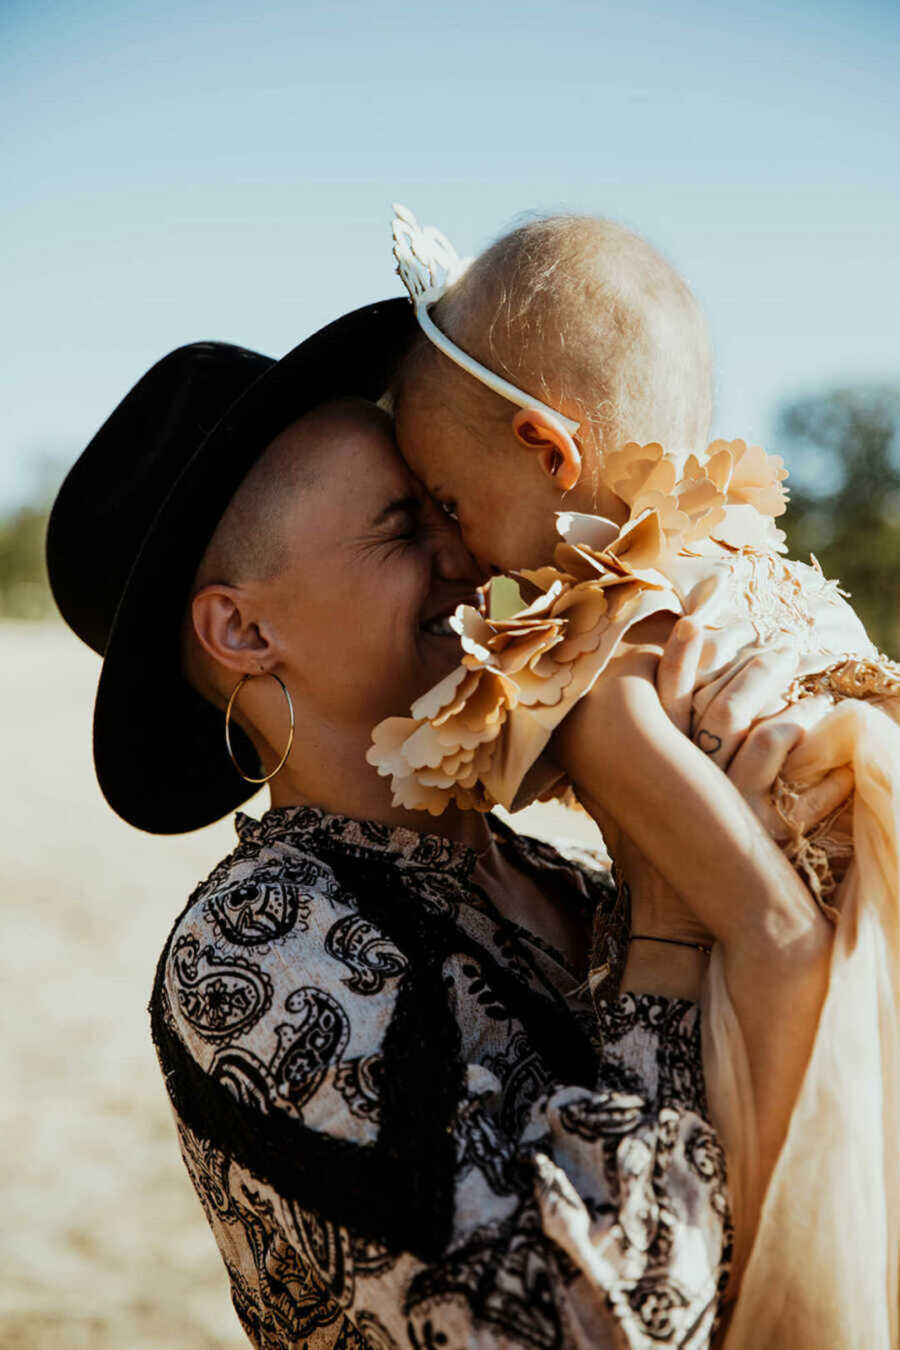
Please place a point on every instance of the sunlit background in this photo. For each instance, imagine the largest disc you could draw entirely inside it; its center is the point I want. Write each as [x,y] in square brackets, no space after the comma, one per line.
[175,171]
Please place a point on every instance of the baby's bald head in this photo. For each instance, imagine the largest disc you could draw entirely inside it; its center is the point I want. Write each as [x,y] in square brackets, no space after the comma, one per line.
[589,318]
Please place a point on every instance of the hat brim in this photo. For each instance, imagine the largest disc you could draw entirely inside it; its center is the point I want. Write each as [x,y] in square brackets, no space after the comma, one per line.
[159,747]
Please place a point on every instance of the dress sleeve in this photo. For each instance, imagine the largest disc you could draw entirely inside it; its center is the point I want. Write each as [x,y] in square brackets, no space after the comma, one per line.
[369,1184]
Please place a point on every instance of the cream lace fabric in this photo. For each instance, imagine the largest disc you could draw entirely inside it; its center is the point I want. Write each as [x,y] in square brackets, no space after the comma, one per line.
[701,539]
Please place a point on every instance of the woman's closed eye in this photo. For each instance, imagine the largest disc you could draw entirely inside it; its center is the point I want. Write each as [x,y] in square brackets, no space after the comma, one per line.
[407,531]
[418,527]
[402,525]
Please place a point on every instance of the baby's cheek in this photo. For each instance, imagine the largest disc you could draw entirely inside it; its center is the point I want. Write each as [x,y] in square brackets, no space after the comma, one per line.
[484,511]
[488,539]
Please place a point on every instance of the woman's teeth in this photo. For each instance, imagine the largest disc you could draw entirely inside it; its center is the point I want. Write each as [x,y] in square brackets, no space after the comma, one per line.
[439,627]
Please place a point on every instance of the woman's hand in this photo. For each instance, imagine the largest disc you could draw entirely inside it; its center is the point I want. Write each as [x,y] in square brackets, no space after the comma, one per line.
[751,749]
[691,848]
[759,683]
[759,761]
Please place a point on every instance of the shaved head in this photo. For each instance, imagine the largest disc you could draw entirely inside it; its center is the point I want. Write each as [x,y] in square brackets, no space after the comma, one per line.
[250,541]
[589,318]
[248,544]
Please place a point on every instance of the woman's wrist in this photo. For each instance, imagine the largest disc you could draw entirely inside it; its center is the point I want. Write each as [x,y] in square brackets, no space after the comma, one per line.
[664,969]
[655,909]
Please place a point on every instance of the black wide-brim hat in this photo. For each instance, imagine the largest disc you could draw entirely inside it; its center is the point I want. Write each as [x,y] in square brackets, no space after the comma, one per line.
[132,521]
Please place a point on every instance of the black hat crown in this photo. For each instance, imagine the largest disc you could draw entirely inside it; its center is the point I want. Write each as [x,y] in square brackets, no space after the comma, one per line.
[115,490]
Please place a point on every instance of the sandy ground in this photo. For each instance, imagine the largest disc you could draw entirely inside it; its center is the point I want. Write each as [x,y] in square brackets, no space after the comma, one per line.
[103,1243]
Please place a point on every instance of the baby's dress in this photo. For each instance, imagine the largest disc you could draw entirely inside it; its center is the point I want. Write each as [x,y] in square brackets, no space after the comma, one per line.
[701,540]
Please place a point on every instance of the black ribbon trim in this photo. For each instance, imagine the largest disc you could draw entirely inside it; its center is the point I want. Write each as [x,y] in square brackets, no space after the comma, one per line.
[399,1190]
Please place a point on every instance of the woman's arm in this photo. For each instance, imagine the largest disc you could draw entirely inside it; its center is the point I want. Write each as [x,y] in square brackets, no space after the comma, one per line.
[752,749]
[701,864]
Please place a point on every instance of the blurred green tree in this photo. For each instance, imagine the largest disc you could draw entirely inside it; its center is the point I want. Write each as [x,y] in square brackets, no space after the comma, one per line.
[843,449]
[24,590]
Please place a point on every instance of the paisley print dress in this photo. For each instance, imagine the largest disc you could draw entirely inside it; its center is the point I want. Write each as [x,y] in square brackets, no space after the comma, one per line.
[406,1121]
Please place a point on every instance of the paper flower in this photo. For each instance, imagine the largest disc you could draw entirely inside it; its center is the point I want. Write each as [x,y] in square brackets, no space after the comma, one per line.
[438,755]
[640,468]
[745,473]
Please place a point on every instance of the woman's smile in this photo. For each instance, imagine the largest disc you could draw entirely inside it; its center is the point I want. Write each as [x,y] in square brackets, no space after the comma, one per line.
[437,623]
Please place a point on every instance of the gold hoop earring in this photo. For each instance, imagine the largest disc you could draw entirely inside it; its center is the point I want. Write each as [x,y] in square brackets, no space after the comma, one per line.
[231,702]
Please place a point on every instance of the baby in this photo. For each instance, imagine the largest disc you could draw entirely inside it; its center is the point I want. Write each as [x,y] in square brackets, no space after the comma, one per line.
[590,320]
[567,370]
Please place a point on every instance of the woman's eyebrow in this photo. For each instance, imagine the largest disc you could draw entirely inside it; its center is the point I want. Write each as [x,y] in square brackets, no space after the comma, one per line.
[408,505]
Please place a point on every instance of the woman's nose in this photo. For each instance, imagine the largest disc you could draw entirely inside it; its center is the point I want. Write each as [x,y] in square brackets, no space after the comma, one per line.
[452,560]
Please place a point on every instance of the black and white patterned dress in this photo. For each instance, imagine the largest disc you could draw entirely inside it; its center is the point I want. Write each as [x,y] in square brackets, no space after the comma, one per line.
[407,1124]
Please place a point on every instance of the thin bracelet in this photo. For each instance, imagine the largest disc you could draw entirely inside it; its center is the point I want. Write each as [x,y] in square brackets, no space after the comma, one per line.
[674,942]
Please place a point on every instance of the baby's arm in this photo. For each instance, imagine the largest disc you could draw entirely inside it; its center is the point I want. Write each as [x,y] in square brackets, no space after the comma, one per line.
[700,863]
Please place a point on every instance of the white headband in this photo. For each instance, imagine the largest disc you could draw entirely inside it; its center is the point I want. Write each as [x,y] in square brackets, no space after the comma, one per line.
[428,264]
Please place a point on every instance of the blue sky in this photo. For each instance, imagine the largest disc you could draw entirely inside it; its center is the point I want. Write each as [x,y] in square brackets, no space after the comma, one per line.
[180,171]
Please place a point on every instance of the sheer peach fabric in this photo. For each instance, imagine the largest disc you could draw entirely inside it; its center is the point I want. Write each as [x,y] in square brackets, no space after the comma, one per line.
[823,1268]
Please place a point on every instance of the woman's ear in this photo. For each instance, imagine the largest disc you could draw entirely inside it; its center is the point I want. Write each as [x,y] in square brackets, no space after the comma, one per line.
[225,629]
[558,455]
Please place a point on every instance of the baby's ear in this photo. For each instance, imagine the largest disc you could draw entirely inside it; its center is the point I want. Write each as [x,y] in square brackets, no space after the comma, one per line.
[558,455]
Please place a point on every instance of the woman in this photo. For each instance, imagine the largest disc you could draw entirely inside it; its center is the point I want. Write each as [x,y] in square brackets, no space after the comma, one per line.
[393,1094]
